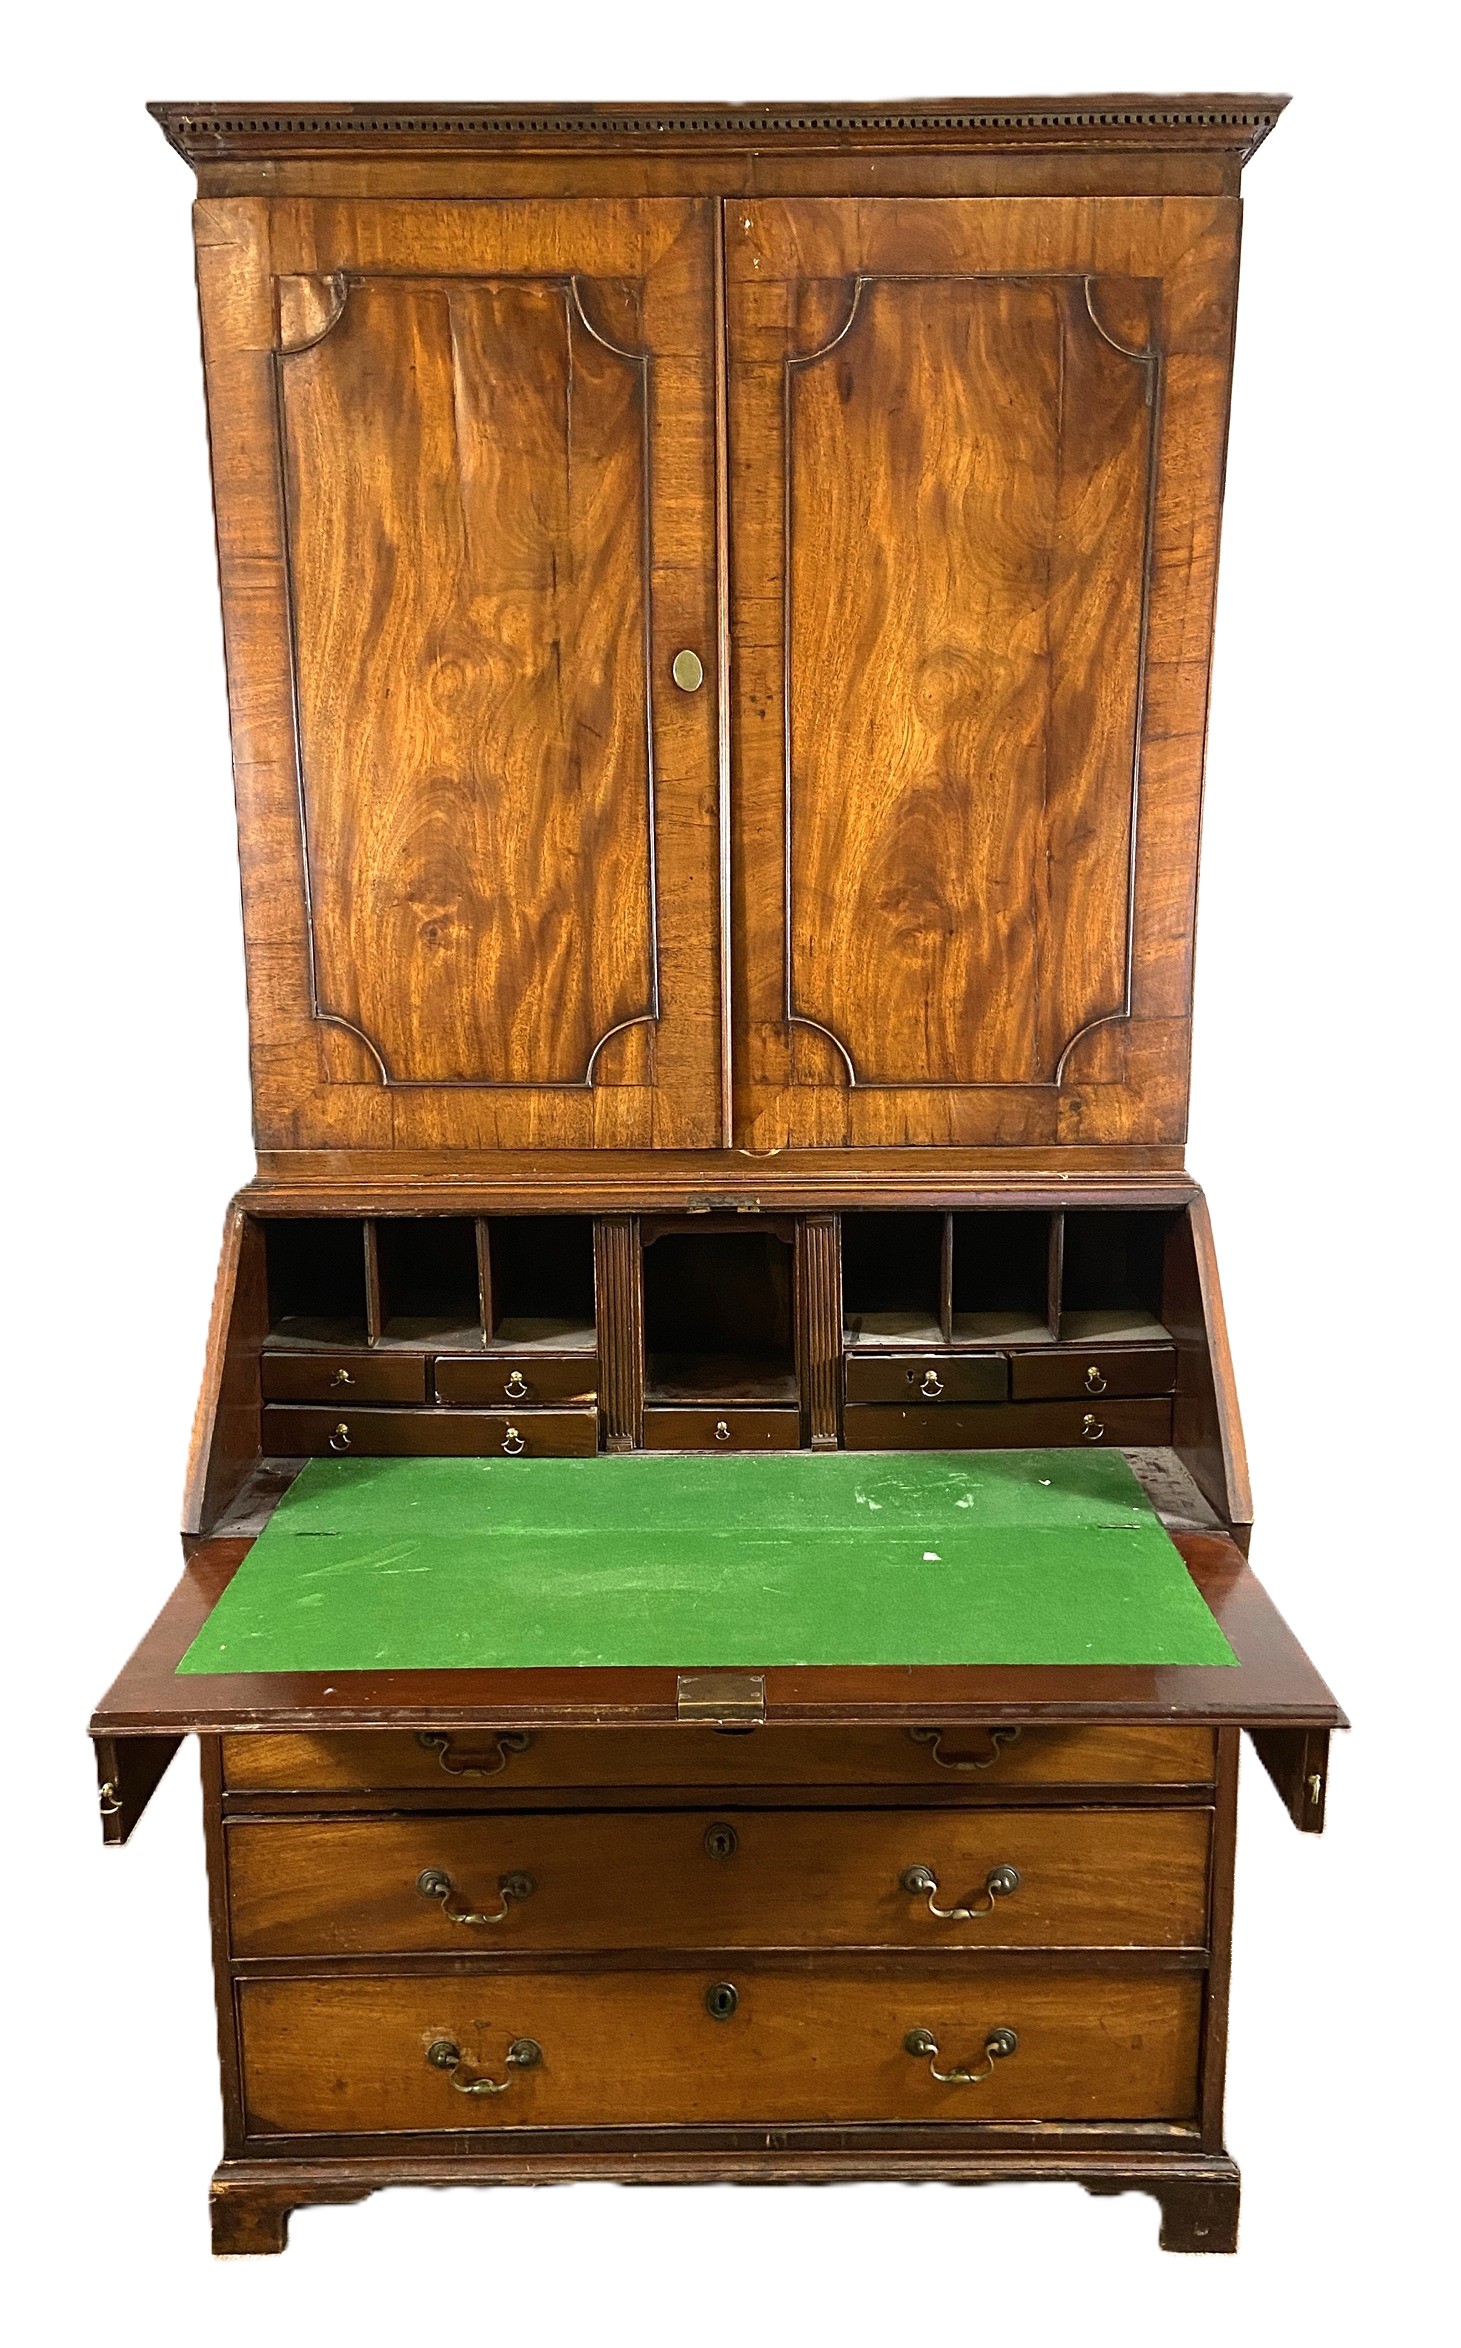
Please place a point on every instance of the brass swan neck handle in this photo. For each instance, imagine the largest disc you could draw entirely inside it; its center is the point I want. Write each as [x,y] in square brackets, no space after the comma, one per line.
[999,1884]
[924,2047]
[444,2054]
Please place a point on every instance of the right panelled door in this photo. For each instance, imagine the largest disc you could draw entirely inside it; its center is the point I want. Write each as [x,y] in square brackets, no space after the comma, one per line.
[976,453]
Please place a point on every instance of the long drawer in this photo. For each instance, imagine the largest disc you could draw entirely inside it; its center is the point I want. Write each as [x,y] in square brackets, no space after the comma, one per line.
[292,1432]
[759,2044]
[476,1759]
[1004,1426]
[700,1880]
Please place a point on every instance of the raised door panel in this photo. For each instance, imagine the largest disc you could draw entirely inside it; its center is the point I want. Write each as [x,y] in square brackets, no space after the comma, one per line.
[472,524]
[977,464]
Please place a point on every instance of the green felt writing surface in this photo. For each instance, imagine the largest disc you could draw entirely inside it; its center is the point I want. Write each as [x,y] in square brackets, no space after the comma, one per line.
[918,1557]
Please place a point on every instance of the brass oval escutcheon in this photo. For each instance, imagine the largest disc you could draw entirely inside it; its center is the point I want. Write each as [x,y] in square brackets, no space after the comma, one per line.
[688,671]
[721,2000]
[721,1840]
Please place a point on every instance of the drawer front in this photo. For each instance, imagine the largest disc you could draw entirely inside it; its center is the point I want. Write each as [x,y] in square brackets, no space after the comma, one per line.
[1009,1426]
[504,1378]
[475,1761]
[926,1377]
[732,1429]
[343,1378]
[771,1879]
[643,2049]
[429,1434]
[1138,1369]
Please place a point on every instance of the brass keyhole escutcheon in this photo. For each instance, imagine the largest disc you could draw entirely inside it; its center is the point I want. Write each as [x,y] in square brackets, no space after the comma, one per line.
[688,671]
[721,2000]
[721,1840]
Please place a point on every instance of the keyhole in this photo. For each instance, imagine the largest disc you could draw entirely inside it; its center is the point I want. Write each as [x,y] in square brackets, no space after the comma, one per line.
[721,2000]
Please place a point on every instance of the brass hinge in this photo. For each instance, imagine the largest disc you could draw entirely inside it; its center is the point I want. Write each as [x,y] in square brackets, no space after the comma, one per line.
[721,1699]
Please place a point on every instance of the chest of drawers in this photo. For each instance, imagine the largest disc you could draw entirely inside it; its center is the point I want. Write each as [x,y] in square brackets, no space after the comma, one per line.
[880,1957]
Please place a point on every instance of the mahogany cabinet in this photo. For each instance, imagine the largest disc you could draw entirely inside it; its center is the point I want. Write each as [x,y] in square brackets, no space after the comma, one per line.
[718,609]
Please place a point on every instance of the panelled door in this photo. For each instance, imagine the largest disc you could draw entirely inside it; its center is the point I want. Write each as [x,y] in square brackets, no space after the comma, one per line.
[976,469]
[465,475]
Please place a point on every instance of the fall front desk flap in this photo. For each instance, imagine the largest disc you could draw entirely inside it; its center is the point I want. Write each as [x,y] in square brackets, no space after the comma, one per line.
[924,1557]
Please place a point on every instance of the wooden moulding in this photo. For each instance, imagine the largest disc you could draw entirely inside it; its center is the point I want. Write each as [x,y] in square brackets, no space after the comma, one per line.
[1209,123]
[385,1182]
[252,2199]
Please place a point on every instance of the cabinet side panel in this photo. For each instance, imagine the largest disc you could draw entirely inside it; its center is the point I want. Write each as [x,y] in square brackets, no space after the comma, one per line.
[225,1439]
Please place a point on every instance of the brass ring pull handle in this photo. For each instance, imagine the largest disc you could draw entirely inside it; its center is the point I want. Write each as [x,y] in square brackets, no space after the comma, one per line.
[923,2045]
[722,1431]
[511,1741]
[340,1437]
[998,1739]
[999,1884]
[1095,1382]
[444,2054]
[109,1798]
[932,1386]
[341,1378]
[516,1386]
[1091,1428]
[434,1884]
[512,1443]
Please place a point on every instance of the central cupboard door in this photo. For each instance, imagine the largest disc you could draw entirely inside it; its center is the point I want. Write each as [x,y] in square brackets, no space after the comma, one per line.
[976,464]
[466,483]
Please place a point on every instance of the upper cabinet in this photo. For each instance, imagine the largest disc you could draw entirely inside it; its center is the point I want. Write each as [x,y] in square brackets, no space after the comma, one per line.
[466,479]
[978,461]
[718,671]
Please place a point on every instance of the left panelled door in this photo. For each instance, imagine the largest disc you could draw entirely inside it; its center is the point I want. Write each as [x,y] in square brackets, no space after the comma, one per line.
[465,479]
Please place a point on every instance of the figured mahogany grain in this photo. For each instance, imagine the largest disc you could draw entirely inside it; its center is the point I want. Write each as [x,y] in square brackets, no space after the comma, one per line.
[640,2049]
[773,1879]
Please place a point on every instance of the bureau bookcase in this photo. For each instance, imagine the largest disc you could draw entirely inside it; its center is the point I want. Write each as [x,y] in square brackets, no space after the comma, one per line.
[718,608]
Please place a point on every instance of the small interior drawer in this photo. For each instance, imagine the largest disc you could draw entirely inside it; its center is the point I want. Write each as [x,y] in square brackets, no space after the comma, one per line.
[1010,1426]
[293,1432]
[926,1377]
[1097,1371]
[731,1429]
[516,1378]
[723,2041]
[342,1377]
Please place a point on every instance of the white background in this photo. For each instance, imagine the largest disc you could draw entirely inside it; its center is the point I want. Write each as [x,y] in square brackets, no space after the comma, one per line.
[1323,1076]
